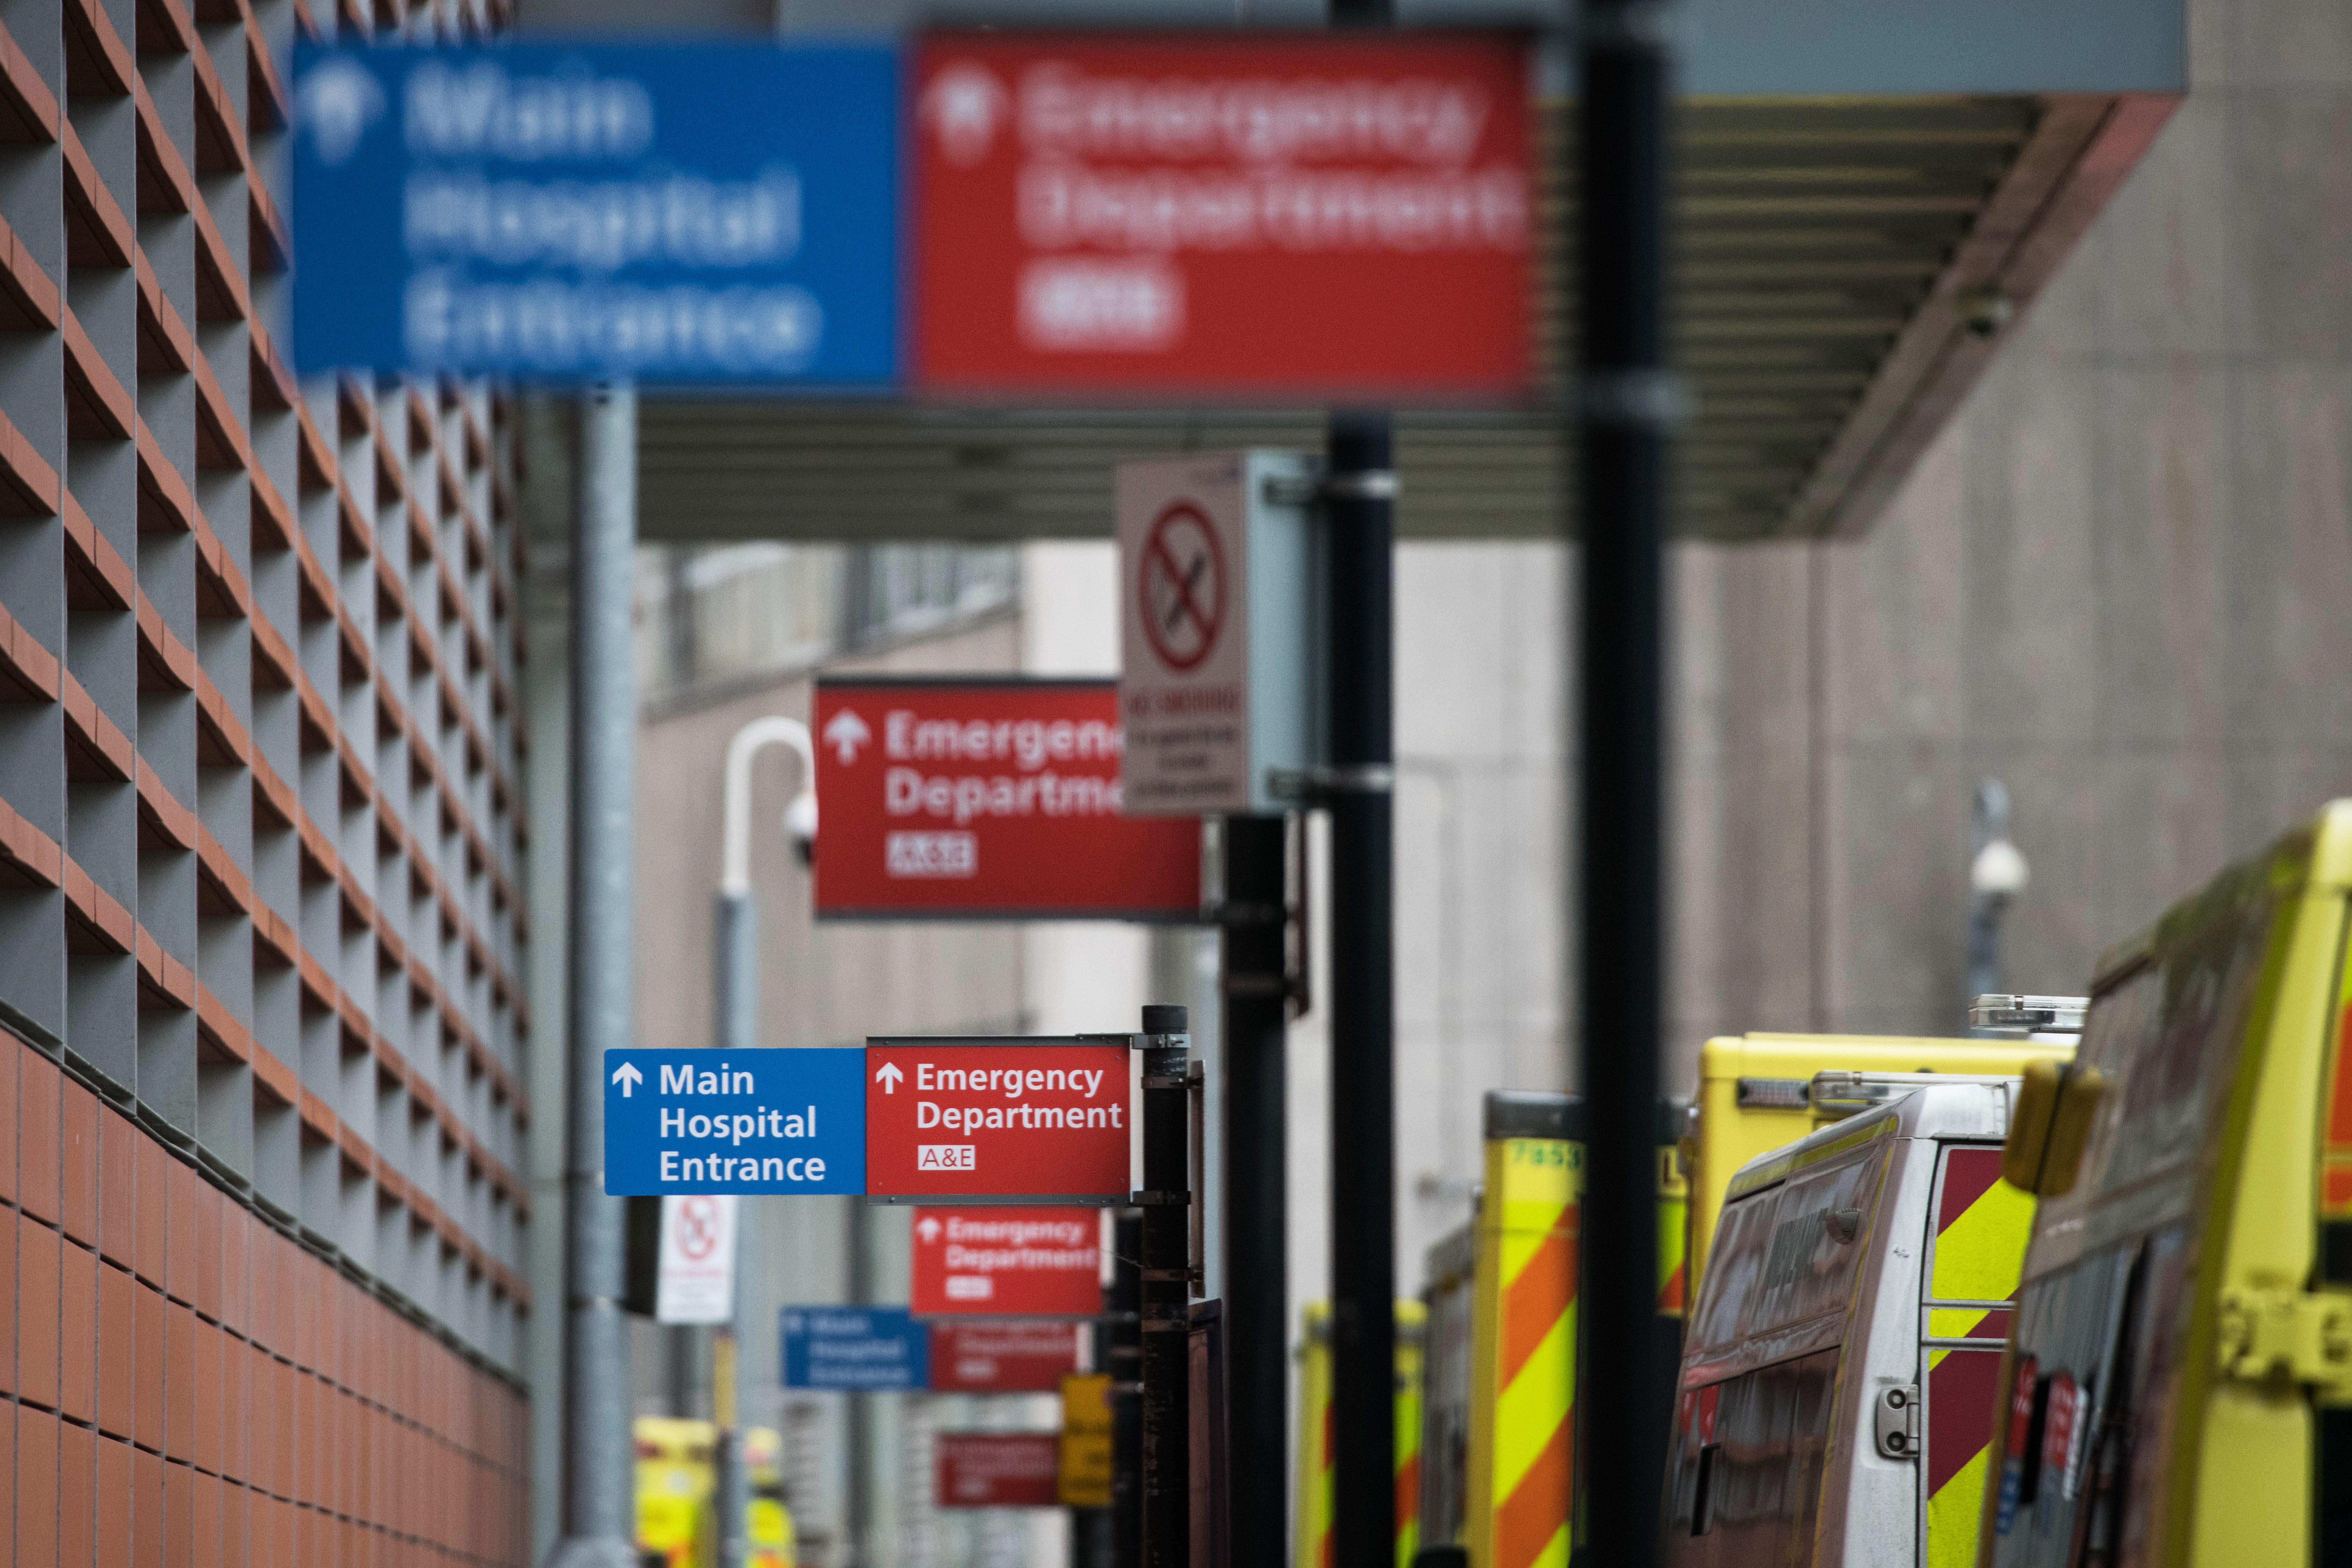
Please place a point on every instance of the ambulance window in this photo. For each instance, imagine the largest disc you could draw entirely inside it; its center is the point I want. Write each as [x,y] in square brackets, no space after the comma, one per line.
[2169,1039]
[1730,1280]
[1819,1240]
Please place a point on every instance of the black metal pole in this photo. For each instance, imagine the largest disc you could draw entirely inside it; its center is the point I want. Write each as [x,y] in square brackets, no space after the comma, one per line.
[1092,1542]
[1361,490]
[1626,405]
[1166,1287]
[1360,483]
[1256,1297]
[1125,1364]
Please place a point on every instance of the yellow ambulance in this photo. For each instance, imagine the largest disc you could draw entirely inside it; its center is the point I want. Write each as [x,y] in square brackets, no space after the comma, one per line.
[676,1481]
[1835,1405]
[675,1526]
[2179,1394]
[1755,1091]
[1311,1537]
[1498,1474]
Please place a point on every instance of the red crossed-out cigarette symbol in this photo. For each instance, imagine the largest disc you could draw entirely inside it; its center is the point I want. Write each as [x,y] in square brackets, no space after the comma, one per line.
[1181,590]
[698,1228]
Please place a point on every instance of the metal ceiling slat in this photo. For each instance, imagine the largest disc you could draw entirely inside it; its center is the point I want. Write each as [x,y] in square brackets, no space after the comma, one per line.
[1821,246]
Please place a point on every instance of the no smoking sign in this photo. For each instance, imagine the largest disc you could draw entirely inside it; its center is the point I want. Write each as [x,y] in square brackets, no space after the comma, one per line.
[698,1228]
[1184,591]
[1214,686]
[695,1282]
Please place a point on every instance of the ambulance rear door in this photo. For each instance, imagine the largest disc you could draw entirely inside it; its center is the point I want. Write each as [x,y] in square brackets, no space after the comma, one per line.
[1976,1231]
[1763,1443]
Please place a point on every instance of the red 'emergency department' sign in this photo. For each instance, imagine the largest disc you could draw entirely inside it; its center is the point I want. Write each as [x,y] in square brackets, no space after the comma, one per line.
[961,798]
[1002,1358]
[1003,1261]
[998,1470]
[993,1119]
[1263,217]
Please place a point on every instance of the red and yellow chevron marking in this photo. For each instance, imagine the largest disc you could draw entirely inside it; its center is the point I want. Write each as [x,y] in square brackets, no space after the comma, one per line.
[1312,1545]
[1983,1224]
[1674,1232]
[1312,1548]
[2336,1159]
[1963,1387]
[1523,1358]
[1412,1337]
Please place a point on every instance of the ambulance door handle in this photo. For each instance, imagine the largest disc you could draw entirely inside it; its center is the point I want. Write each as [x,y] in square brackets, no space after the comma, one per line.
[1898,1422]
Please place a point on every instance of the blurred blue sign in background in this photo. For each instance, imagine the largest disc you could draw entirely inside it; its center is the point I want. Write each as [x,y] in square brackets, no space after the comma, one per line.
[680,214]
[871,1348]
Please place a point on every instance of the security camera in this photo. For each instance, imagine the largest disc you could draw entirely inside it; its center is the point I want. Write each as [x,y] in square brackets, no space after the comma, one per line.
[800,825]
[1999,871]
[1984,311]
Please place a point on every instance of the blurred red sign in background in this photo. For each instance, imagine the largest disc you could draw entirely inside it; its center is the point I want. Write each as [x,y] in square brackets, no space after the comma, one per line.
[1006,1262]
[998,1470]
[1017,1357]
[1272,217]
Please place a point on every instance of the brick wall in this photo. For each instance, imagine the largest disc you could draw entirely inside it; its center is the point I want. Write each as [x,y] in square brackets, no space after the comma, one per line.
[261,942]
[193,1387]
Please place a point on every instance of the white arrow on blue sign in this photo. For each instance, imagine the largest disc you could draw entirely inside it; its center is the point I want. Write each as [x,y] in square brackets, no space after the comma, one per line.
[855,1348]
[757,1121]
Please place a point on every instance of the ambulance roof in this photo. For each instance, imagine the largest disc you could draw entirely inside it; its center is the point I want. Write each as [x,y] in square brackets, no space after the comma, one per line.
[1941,1105]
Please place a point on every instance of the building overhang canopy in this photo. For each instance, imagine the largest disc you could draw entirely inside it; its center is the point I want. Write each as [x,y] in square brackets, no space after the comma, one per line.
[1869,195]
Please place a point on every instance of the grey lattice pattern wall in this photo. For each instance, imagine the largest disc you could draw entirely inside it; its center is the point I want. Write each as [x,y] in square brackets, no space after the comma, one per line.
[259,932]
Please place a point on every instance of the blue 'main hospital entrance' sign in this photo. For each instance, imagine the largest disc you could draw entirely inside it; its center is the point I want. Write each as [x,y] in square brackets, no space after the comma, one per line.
[672,215]
[787,1121]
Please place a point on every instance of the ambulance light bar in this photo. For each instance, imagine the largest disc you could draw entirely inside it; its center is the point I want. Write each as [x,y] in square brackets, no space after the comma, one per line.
[2029,1015]
[1773,1094]
[1839,1093]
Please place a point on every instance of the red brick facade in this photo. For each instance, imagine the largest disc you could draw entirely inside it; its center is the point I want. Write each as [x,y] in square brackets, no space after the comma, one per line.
[261,943]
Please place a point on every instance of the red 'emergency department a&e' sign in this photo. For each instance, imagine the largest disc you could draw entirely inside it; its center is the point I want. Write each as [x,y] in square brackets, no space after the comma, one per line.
[997,1117]
[1008,1261]
[961,798]
[1018,1356]
[1270,217]
[997,1470]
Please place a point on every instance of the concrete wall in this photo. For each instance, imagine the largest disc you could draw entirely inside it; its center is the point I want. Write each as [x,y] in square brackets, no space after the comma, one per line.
[2118,582]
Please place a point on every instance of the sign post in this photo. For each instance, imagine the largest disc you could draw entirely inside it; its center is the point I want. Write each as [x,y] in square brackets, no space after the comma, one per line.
[1627,401]
[1167,1276]
[1041,1128]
